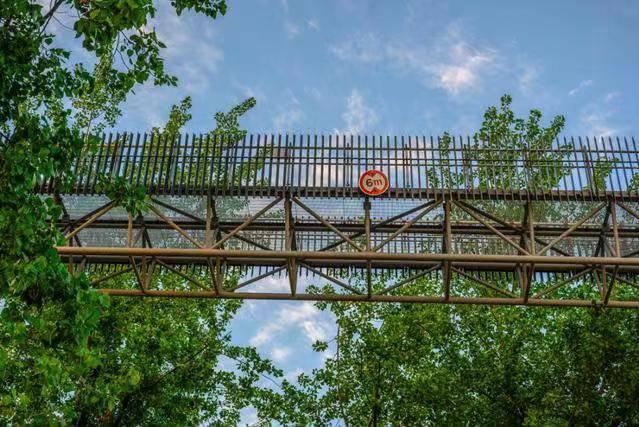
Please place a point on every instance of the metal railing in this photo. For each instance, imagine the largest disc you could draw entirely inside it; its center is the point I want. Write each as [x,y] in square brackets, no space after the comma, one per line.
[330,166]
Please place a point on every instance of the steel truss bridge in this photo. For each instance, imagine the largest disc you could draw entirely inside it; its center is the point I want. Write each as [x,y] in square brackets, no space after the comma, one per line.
[461,223]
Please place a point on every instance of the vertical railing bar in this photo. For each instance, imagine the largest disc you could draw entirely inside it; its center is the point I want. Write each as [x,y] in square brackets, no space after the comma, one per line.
[216,170]
[594,190]
[127,158]
[115,158]
[208,168]
[298,158]
[174,161]
[251,171]
[146,157]
[87,183]
[162,159]
[80,170]
[616,169]
[394,159]
[156,157]
[102,160]
[226,156]
[242,167]
[191,159]
[305,163]
[625,165]
[321,161]
[287,160]
[278,183]
[199,155]
[604,149]
[570,169]
[579,168]
[634,162]
[138,159]
[232,163]
[271,166]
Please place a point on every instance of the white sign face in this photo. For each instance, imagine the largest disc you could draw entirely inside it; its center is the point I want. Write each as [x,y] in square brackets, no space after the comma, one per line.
[373,183]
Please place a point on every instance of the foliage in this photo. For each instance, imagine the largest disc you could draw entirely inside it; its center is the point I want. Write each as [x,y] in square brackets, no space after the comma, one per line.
[458,365]
[443,176]
[520,146]
[47,314]
[601,170]
[227,124]
[133,198]
[171,362]
[98,102]
[178,117]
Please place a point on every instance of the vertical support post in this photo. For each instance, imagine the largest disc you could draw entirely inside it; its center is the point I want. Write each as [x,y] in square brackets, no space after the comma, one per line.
[530,246]
[617,248]
[212,225]
[209,218]
[289,242]
[601,251]
[615,227]
[70,263]
[129,231]
[216,274]
[367,228]
[446,248]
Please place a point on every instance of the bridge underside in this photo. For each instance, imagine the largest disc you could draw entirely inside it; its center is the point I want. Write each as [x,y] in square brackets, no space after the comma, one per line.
[452,247]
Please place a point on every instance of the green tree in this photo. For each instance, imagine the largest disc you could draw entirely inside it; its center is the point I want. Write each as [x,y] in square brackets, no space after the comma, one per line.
[521,148]
[474,365]
[170,362]
[46,314]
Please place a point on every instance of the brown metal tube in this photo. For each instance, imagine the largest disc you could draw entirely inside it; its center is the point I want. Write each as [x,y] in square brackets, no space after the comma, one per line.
[372,298]
[372,256]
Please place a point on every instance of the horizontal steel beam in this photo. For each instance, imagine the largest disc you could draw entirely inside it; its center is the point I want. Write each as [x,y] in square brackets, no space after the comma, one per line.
[392,193]
[372,298]
[547,267]
[457,227]
[363,255]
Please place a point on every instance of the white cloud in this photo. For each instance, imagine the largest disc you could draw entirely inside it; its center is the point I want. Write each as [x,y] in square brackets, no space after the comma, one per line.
[596,123]
[286,120]
[289,116]
[596,117]
[292,30]
[361,48]
[191,52]
[298,315]
[313,24]
[280,353]
[527,78]
[450,63]
[358,116]
[610,96]
[582,85]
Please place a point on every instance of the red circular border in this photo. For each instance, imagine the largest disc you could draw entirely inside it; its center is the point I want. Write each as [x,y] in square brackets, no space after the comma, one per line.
[372,172]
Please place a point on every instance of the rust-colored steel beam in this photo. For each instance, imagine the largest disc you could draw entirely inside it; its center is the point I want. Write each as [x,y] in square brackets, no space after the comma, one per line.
[547,267]
[363,255]
[373,298]
[426,227]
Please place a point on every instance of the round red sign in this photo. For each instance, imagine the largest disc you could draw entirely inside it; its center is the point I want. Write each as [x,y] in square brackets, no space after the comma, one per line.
[373,183]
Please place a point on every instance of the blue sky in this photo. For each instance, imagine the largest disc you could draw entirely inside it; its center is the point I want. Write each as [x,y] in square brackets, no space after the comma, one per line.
[401,67]
[413,67]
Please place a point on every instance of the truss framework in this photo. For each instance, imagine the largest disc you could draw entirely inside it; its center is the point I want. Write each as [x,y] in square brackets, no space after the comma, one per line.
[536,256]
